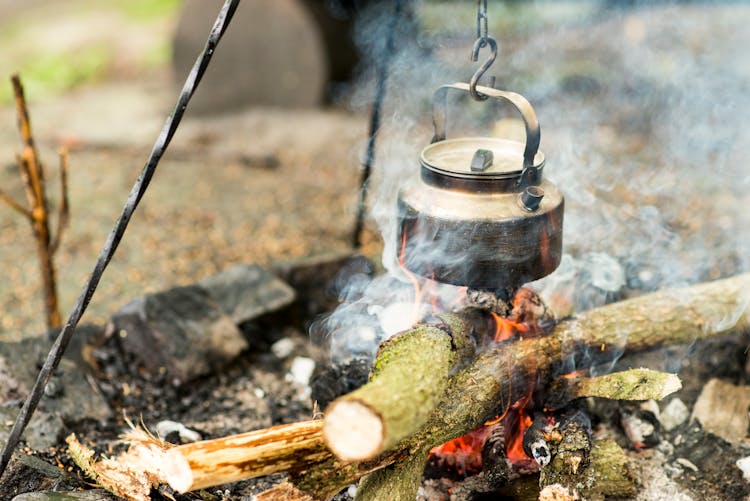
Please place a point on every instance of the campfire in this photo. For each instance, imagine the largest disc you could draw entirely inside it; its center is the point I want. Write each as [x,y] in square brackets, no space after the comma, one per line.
[481,361]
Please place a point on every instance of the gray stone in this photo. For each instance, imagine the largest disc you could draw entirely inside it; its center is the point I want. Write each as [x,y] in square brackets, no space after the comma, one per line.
[182,332]
[674,414]
[30,474]
[246,291]
[69,395]
[45,429]
[272,54]
[93,495]
[318,280]
[722,408]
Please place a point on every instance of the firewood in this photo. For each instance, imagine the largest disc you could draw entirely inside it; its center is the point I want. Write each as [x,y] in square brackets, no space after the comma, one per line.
[408,379]
[672,316]
[506,372]
[570,451]
[196,465]
[230,459]
[632,384]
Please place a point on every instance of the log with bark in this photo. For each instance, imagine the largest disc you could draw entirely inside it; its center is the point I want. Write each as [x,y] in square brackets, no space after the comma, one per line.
[478,387]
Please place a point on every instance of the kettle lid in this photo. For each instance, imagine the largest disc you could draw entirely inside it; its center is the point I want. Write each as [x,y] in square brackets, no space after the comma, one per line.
[481,164]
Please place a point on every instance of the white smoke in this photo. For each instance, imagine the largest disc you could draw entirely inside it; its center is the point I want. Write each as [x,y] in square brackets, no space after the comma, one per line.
[643,114]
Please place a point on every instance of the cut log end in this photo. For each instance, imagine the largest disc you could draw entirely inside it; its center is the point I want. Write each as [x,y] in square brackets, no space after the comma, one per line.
[353,431]
[177,472]
[672,384]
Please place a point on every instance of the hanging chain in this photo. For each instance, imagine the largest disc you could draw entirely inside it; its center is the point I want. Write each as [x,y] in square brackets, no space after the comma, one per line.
[482,21]
[483,40]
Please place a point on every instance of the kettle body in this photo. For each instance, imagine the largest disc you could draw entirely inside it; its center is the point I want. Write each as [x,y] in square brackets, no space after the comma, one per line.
[481,213]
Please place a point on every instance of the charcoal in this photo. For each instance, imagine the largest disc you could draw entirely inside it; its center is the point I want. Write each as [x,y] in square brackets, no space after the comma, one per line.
[332,381]
[641,427]
[535,443]
[495,465]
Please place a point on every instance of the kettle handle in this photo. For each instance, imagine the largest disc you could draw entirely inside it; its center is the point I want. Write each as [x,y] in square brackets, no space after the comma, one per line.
[440,114]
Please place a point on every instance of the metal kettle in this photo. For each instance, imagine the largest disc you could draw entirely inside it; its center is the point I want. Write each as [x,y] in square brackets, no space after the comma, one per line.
[481,215]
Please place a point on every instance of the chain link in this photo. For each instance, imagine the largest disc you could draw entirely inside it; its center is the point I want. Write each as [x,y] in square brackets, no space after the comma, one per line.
[482,21]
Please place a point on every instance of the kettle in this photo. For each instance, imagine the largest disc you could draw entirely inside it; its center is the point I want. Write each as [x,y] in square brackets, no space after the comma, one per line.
[481,214]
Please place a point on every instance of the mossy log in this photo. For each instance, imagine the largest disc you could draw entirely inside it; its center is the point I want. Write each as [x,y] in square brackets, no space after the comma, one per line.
[631,384]
[408,378]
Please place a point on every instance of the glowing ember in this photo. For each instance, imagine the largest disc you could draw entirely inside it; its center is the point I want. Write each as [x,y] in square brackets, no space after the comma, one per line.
[464,454]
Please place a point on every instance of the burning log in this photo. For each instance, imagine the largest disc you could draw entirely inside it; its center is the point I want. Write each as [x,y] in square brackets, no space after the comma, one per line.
[408,379]
[570,450]
[506,372]
[673,316]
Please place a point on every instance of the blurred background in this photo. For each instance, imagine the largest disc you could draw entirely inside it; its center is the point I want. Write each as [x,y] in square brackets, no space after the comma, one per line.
[642,106]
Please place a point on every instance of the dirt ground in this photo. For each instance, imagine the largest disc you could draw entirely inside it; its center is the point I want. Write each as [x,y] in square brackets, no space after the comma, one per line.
[643,125]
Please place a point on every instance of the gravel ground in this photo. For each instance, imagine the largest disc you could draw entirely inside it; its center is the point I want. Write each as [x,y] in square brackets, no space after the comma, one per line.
[218,197]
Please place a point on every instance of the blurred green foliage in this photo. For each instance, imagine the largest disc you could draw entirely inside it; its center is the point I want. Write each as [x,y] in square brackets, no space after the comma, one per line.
[59,46]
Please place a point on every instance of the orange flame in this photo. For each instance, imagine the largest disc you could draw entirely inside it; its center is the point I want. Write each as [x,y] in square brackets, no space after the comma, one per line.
[413,279]
[514,448]
[505,328]
[464,453]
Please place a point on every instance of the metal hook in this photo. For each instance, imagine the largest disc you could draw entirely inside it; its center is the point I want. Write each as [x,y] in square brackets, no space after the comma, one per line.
[482,69]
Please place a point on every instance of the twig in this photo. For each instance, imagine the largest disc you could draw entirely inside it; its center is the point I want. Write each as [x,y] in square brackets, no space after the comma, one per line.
[16,206]
[632,384]
[63,214]
[248,455]
[32,172]
[110,246]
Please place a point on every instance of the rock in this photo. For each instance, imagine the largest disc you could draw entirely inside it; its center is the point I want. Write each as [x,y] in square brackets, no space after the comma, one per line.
[318,280]
[272,54]
[283,348]
[299,375]
[744,465]
[93,495]
[182,332]
[29,474]
[69,395]
[169,430]
[674,414]
[301,370]
[10,388]
[721,409]
[45,430]
[641,427]
[247,291]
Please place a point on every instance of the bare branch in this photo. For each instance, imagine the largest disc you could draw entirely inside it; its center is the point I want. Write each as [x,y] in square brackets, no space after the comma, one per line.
[16,206]
[63,214]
